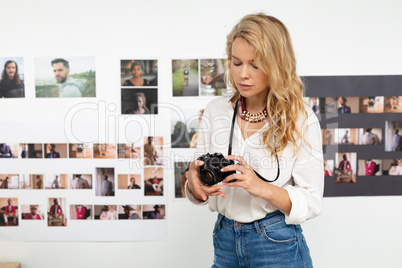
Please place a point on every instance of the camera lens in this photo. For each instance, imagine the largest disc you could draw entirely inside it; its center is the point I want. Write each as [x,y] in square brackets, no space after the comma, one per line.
[207,177]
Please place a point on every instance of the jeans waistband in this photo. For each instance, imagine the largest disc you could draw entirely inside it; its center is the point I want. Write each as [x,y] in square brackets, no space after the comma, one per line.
[267,220]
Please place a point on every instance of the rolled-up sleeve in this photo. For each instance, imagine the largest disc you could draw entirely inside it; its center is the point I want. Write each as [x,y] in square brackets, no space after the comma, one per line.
[308,175]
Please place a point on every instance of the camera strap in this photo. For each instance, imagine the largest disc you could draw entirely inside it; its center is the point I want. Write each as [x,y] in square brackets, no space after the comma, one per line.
[230,146]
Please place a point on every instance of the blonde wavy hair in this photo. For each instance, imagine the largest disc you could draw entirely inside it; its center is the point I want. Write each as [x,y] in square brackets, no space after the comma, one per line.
[275,57]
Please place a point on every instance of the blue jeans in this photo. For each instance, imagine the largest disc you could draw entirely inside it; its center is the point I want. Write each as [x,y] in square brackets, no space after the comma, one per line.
[268,242]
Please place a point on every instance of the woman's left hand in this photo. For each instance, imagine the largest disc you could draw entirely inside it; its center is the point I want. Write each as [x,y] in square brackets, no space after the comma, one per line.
[247,179]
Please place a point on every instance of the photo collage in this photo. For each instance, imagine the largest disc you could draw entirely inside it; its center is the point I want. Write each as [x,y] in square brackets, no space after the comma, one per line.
[361,132]
[102,182]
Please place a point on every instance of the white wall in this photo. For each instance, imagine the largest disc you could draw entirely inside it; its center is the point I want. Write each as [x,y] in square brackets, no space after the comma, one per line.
[330,38]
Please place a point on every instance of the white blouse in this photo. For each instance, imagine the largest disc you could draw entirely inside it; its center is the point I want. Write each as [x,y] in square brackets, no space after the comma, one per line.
[302,175]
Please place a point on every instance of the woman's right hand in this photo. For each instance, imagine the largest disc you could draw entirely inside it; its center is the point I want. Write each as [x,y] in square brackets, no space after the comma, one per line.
[197,187]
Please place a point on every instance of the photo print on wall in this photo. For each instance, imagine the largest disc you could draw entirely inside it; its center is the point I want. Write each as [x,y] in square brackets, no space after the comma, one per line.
[185,75]
[81,212]
[393,104]
[56,181]
[139,101]
[106,212]
[346,167]
[185,122]
[9,181]
[212,77]
[180,170]
[33,212]
[129,181]
[392,167]
[9,207]
[8,150]
[80,150]
[105,182]
[153,181]
[393,136]
[56,211]
[65,77]
[139,81]
[12,77]
[369,167]
[139,73]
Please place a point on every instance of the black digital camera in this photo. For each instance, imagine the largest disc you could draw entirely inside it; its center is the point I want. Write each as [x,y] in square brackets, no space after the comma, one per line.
[210,172]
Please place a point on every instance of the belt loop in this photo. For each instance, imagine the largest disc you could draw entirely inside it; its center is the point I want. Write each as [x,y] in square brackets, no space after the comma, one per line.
[257,226]
[219,220]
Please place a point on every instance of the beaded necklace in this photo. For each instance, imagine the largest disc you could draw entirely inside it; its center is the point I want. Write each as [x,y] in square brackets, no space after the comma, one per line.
[251,117]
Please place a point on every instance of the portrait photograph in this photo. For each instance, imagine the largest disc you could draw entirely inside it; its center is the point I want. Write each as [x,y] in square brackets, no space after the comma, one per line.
[9,150]
[80,150]
[129,181]
[153,151]
[184,126]
[33,212]
[316,104]
[57,207]
[55,150]
[23,150]
[185,79]
[154,212]
[328,136]
[80,181]
[345,167]
[105,212]
[139,101]
[105,150]
[153,181]
[9,181]
[372,105]
[180,178]
[330,105]
[9,211]
[212,77]
[81,212]
[12,77]
[393,136]
[65,77]
[392,167]
[393,104]
[35,150]
[139,73]
[370,167]
[32,181]
[328,167]
[56,181]
[105,182]
[370,136]
[348,105]
[128,151]
[129,212]
[347,136]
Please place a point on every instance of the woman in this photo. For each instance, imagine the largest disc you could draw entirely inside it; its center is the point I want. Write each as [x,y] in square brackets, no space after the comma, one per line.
[271,122]
[11,86]
[137,80]
[139,105]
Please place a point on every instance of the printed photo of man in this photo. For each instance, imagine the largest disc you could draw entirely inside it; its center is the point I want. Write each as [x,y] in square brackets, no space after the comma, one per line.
[60,77]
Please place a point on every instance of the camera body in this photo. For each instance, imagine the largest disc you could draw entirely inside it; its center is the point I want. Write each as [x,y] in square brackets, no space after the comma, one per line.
[210,173]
